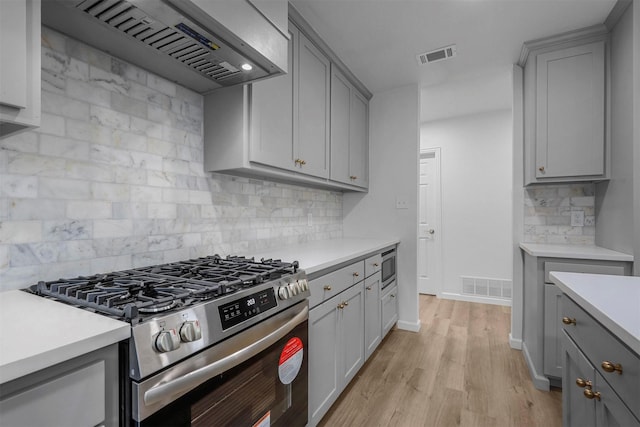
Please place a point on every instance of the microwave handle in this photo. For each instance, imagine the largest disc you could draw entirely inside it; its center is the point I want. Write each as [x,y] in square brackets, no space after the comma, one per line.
[199,376]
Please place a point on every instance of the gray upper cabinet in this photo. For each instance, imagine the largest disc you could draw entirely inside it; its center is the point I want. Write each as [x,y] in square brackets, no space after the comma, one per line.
[566,108]
[311,125]
[279,128]
[349,132]
[20,65]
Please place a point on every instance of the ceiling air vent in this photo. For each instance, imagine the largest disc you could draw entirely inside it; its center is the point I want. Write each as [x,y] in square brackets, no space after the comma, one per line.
[437,55]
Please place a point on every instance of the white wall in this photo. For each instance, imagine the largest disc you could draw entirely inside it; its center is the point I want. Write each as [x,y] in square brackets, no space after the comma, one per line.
[393,158]
[476,164]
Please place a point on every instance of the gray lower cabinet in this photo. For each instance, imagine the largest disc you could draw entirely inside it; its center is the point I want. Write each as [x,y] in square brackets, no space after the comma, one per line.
[389,305]
[336,348]
[372,314]
[80,392]
[542,312]
[592,393]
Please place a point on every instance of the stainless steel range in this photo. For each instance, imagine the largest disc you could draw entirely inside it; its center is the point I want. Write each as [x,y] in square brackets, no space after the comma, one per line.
[214,341]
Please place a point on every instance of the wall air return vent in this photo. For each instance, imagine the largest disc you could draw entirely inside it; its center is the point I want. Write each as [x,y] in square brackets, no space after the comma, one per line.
[436,55]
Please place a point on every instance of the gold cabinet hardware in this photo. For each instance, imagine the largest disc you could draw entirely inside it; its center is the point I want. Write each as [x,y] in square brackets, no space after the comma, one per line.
[353,177]
[590,394]
[568,321]
[297,161]
[392,296]
[584,383]
[341,305]
[346,303]
[612,367]
[375,264]
[327,288]
[541,169]
[356,274]
[368,288]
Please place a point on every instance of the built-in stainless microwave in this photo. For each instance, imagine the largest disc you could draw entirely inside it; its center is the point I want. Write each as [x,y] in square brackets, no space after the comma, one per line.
[388,267]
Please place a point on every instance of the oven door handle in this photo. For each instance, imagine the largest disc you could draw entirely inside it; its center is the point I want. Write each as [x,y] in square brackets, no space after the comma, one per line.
[199,376]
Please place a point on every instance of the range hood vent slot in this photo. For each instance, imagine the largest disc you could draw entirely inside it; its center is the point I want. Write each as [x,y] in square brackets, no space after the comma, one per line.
[183,43]
[437,55]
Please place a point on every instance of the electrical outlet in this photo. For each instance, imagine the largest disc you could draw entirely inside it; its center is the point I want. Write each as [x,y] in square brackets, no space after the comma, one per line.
[309,220]
[577,218]
[401,204]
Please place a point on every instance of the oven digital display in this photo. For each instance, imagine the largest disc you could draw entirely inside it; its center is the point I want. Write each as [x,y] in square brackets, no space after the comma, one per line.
[243,309]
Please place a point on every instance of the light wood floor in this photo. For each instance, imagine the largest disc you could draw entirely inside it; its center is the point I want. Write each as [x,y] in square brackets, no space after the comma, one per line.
[458,370]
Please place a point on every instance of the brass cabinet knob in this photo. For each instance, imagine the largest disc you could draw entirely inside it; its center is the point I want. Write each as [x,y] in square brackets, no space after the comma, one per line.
[369,288]
[612,367]
[346,303]
[584,383]
[541,169]
[341,305]
[375,264]
[297,161]
[356,274]
[327,288]
[303,162]
[392,296]
[568,321]
[590,394]
[353,177]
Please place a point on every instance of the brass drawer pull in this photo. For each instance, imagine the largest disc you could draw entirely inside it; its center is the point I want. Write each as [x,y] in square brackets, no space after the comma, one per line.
[341,305]
[541,169]
[346,303]
[356,274]
[590,394]
[327,288]
[612,367]
[584,383]
[369,288]
[375,264]
[568,321]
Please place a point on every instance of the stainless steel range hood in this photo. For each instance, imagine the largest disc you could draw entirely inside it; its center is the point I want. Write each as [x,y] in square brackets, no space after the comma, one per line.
[179,40]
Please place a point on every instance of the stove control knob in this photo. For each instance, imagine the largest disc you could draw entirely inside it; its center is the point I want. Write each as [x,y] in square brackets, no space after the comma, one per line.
[190,331]
[294,288]
[167,341]
[283,292]
[304,285]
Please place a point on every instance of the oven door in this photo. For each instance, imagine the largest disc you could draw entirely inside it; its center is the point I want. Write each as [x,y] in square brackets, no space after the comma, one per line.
[256,378]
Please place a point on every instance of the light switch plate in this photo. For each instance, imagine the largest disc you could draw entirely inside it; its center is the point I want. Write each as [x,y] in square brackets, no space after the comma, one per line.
[577,218]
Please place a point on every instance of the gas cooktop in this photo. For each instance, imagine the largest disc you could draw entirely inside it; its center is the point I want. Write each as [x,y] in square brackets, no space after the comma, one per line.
[134,295]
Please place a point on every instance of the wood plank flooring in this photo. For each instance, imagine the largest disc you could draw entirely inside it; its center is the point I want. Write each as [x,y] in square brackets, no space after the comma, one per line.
[458,370]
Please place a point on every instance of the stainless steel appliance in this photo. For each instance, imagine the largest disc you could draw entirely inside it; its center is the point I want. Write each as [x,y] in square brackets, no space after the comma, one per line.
[388,268]
[214,341]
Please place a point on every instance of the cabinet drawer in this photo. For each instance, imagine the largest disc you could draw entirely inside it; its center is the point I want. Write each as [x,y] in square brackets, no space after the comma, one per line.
[389,306]
[372,265]
[599,345]
[332,284]
[614,270]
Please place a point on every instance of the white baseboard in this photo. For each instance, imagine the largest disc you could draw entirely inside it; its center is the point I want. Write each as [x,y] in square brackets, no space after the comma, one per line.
[408,326]
[515,343]
[470,298]
[539,381]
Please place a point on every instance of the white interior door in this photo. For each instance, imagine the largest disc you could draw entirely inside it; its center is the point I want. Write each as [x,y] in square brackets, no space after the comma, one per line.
[429,239]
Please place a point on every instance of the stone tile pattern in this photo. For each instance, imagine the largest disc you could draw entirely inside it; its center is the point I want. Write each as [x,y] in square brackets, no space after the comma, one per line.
[547,214]
[113,179]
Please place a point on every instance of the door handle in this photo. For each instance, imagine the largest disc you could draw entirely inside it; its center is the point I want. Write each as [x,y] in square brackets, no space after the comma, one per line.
[431,231]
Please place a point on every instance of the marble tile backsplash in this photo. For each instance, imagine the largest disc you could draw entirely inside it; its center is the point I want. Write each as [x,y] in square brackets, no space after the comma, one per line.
[547,214]
[113,179]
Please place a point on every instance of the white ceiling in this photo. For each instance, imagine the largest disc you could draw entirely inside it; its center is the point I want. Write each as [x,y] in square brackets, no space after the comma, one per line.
[379,40]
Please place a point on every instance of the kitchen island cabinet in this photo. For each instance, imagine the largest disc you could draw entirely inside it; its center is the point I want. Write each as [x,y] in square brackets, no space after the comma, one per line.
[601,349]
[542,338]
[19,66]
[565,109]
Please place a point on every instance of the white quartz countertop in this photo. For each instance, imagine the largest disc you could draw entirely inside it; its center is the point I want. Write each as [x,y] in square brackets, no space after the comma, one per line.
[316,256]
[614,301]
[38,333]
[574,251]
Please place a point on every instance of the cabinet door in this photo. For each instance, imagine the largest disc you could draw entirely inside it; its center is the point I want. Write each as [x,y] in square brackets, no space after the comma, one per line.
[372,310]
[312,113]
[570,115]
[13,46]
[577,410]
[340,110]
[323,358]
[271,118]
[358,140]
[389,306]
[352,328]
[552,329]
[610,410]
